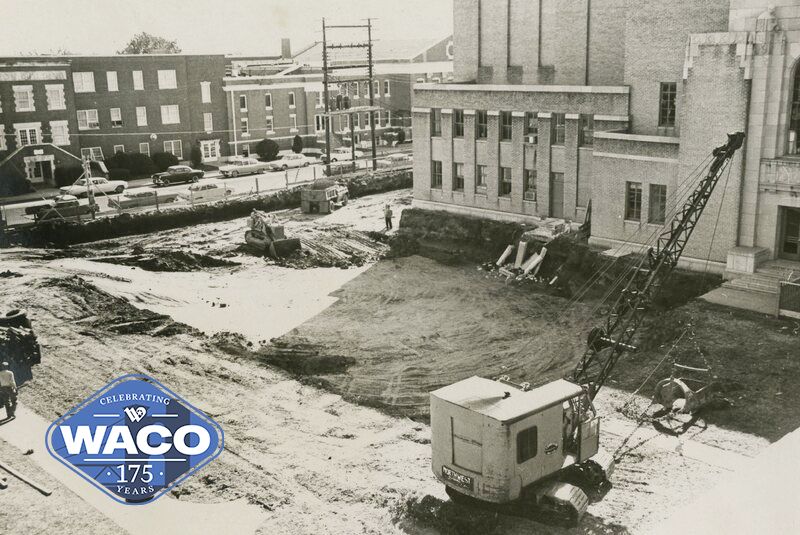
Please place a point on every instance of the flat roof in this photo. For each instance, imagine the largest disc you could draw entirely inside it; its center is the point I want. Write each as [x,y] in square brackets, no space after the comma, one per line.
[486,397]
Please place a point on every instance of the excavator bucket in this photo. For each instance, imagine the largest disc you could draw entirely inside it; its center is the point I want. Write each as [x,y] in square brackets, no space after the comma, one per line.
[675,395]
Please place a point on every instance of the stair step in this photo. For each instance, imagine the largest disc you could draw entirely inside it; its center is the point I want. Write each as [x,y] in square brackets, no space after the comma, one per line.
[751,285]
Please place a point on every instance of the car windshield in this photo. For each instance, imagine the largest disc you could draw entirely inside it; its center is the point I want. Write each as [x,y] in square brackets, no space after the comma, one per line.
[80,182]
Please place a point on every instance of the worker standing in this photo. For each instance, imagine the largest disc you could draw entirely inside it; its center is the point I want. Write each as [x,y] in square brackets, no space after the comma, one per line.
[387,216]
[8,390]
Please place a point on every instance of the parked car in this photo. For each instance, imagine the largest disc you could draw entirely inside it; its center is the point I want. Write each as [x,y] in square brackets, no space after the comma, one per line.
[243,166]
[206,191]
[62,206]
[177,174]
[345,153]
[396,159]
[142,197]
[316,154]
[97,184]
[290,160]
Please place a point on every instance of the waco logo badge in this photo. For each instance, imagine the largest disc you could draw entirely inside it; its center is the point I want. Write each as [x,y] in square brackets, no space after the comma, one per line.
[135,439]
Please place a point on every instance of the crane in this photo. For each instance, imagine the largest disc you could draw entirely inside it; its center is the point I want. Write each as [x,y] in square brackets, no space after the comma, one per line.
[527,449]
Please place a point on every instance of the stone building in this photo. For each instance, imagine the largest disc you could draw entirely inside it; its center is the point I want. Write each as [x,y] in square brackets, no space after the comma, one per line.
[556,103]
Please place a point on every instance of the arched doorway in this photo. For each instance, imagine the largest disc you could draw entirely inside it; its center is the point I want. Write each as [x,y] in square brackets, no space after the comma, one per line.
[793,139]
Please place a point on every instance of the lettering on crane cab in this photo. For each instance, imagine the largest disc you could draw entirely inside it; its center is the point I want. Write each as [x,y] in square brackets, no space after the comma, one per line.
[134,439]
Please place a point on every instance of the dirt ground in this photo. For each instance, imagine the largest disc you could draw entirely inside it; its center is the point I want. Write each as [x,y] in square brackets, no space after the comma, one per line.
[311,459]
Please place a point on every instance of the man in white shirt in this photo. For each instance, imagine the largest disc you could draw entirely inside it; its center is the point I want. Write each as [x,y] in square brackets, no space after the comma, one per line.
[8,390]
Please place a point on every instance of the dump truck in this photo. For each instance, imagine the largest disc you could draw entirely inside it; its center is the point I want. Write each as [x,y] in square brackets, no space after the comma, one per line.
[266,235]
[323,197]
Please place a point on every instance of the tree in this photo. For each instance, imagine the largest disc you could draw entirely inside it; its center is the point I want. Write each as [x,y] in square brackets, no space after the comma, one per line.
[164,160]
[196,155]
[297,144]
[401,136]
[144,43]
[267,149]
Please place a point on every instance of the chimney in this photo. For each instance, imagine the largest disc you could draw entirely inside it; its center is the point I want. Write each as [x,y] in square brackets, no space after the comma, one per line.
[286,48]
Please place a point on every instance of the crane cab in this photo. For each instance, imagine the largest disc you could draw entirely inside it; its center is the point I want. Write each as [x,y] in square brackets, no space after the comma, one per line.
[491,439]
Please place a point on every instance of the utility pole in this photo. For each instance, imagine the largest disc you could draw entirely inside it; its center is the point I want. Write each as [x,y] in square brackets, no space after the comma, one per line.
[327,99]
[87,176]
[371,93]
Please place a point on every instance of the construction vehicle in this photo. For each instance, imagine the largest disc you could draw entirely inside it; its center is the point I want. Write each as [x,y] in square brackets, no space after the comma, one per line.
[323,197]
[18,345]
[537,450]
[266,235]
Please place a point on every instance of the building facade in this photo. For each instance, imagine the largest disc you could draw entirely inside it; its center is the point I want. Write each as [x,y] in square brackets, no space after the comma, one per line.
[556,104]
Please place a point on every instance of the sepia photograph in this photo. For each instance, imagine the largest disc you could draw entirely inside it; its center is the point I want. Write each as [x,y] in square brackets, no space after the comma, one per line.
[411,267]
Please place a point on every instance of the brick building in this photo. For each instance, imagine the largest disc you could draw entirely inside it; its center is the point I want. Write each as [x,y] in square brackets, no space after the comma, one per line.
[54,110]
[279,98]
[557,103]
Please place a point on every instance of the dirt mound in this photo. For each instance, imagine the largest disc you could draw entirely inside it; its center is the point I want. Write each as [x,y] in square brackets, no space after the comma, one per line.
[166,260]
[104,311]
[232,343]
[9,274]
[332,246]
[420,512]
[303,358]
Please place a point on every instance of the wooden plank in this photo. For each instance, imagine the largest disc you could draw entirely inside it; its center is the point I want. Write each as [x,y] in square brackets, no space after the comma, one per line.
[41,488]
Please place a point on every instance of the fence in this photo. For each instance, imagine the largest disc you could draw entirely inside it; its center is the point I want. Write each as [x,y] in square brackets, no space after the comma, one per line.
[789,299]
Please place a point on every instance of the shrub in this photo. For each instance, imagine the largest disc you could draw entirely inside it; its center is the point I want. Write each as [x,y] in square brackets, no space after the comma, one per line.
[118,173]
[401,136]
[164,160]
[141,165]
[297,144]
[13,182]
[120,160]
[196,155]
[68,174]
[267,149]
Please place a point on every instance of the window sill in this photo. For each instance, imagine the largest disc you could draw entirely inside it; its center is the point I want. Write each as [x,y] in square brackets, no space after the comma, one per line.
[293,130]
[57,109]
[245,134]
[270,131]
[89,128]
[632,222]
[268,108]
[437,188]
[292,107]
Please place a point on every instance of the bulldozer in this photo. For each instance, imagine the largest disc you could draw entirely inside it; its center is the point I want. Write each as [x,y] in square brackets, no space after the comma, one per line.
[266,236]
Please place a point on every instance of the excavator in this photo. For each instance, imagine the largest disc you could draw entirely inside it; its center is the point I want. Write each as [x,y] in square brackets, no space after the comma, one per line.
[526,450]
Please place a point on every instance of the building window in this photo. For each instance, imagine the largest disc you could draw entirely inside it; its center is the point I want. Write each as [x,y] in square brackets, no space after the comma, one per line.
[210,150]
[116,117]
[141,116]
[244,126]
[436,122]
[505,126]
[529,184]
[144,148]
[527,441]
[92,153]
[376,88]
[170,114]
[559,128]
[292,122]
[208,121]
[2,138]
[388,118]
[60,132]
[458,176]
[268,101]
[658,204]
[481,124]
[504,184]
[23,98]
[167,79]
[138,81]
[386,87]
[111,81]
[242,102]
[357,121]
[481,175]
[270,125]
[354,90]
[55,97]
[174,147]
[633,201]
[205,92]
[119,148]
[587,130]
[666,104]
[531,127]
[246,149]
[291,99]
[321,99]
[88,120]
[27,136]
[436,174]
[319,123]
[83,82]
[458,123]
